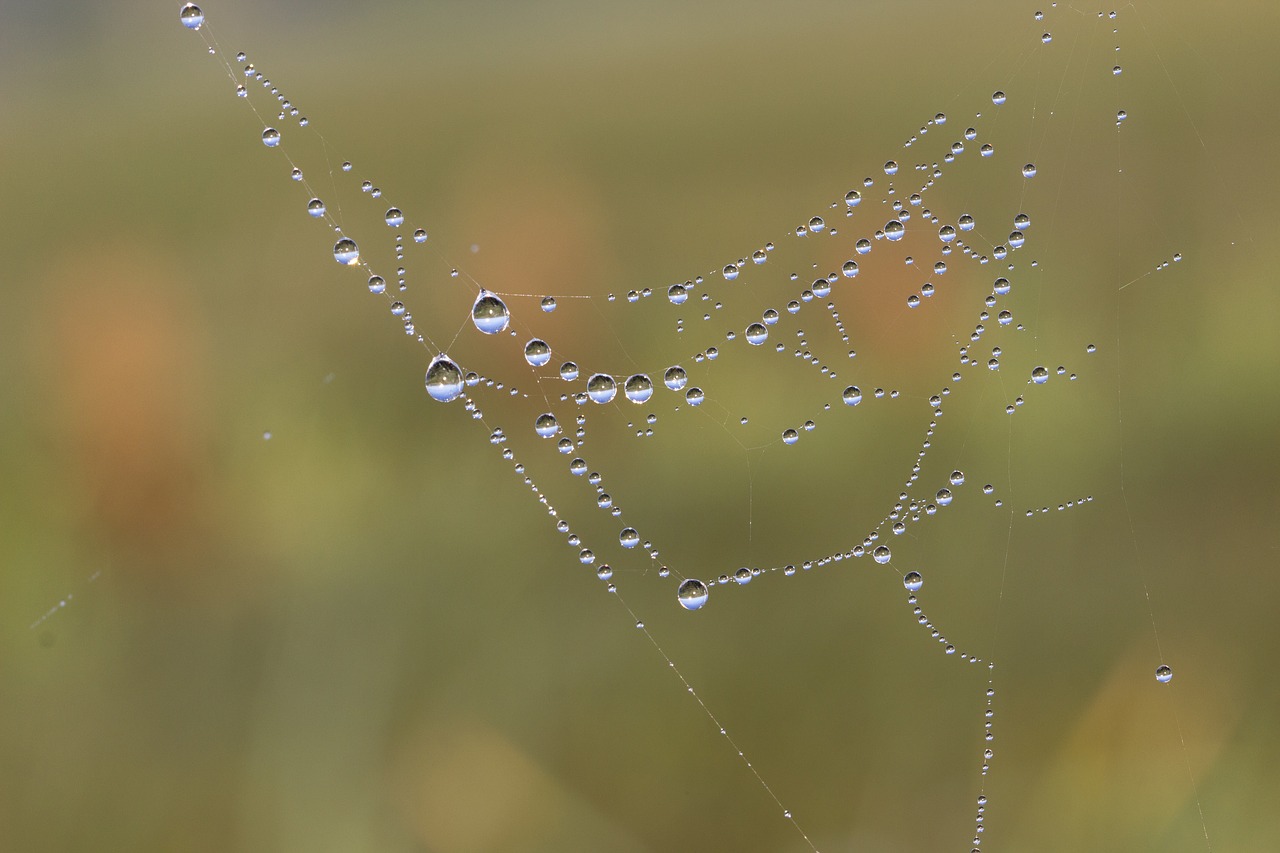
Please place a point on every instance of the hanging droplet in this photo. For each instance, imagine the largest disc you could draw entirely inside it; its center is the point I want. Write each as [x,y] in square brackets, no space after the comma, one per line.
[1029,170]
[489,313]
[546,425]
[638,388]
[548,304]
[315,207]
[568,371]
[998,98]
[677,293]
[694,396]
[891,168]
[790,436]
[912,581]
[271,137]
[1164,674]
[957,478]
[444,379]
[601,388]
[881,554]
[346,252]
[852,395]
[628,538]
[191,16]
[1040,375]
[692,594]
[853,198]
[377,284]
[537,352]
[757,334]
[394,217]
[730,271]
[675,378]
[944,497]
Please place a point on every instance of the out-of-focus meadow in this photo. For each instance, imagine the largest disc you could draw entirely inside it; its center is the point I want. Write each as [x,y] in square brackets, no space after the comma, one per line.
[361,633]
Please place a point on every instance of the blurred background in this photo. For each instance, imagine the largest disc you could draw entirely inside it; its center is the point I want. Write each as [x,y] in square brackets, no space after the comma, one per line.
[361,633]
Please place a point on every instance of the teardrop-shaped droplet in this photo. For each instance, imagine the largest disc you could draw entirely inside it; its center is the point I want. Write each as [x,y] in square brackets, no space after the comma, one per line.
[692,594]
[601,388]
[490,313]
[346,252]
[444,379]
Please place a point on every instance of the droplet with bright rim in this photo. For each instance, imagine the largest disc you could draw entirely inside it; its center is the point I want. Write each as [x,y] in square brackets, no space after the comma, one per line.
[912,581]
[537,352]
[271,137]
[1164,674]
[546,425]
[757,334]
[394,217]
[881,554]
[191,16]
[628,538]
[852,395]
[489,313]
[692,594]
[638,388]
[346,252]
[675,378]
[601,388]
[444,379]
[315,207]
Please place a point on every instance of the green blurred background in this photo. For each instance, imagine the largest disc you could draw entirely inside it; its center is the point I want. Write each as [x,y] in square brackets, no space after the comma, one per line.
[362,634]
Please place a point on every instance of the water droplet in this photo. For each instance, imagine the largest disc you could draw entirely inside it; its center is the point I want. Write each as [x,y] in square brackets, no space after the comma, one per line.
[852,395]
[271,137]
[444,379]
[1164,674]
[546,425]
[998,98]
[1029,170]
[677,293]
[675,378]
[489,313]
[1040,375]
[730,271]
[394,217]
[790,436]
[628,538]
[377,284]
[537,352]
[816,224]
[881,554]
[568,371]
[891,167]
[757,334]
[191,16]
[853,198]
[345,251]
[946,233]
[912,581]
[692,594]
[638,388]
[694,396]
[315,207]
[601,388]
[850,269]
[957,478]
[548,304]
[944,497]
[894,230]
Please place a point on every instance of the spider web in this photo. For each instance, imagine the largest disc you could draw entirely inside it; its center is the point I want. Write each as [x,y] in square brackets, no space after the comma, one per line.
[813,702]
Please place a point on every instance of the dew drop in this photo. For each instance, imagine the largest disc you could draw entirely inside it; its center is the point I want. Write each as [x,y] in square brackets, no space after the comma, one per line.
[678,294]
[675,378]
[692,594]
[346,252]
[998,98]
[957,478]
[1029,170]
[548,304]
[1040,375]
[757,334]
[853,198]
[377,284]
[1164,674]
[730,271]
[444,379]
[315,207]
[852,395]
[881,554]
[912,581]
[271,137]
[600,387]
[394,217]
[546,425]
[489,313]
[638,388]
[694,396]
[894,230]
[628,538]
[191,16]
[537,352]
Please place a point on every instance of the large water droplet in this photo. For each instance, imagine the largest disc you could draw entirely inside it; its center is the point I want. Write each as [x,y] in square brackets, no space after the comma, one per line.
[444,379]
[546,425]
[394,217]
[1040,375]
[1164,674]
[490,313]
[675,378]
[628,538]
[638,388]
[894,230]
[191,16]
[601,388]
[694,396]
[881,554]
[757,334]
[346,252]
[912,581]
[1029,170]
[677,293]
[315,207]
[852,395]
[271,137]
[537,352]
[692,594]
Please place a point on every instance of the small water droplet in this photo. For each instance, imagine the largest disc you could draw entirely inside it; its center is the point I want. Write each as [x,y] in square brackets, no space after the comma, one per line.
[601,387]
[444,379]
[489,313]
[346,252]
[271,137]
[191,16]
[537,352]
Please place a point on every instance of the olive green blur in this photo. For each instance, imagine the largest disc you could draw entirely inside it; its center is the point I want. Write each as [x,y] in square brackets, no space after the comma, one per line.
[363,633]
